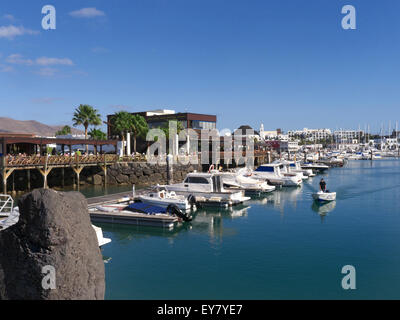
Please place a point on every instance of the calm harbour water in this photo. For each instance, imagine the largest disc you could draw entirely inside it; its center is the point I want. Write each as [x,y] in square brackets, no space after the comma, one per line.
[282,246]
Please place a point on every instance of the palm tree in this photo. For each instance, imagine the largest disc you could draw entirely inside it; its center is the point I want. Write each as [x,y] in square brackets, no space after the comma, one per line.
[139,128]
[179,128]
[97,134]
[64,131]
[86,115]
[122,122]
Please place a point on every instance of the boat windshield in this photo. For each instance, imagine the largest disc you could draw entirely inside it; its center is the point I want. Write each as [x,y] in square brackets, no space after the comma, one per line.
[196,180]
[265,169]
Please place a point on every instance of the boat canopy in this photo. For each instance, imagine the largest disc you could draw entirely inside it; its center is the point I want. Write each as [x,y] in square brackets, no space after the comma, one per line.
[265,169]
[145,208]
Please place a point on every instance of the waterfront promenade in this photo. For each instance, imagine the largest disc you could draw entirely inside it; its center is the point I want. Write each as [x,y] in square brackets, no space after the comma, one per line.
[45,164]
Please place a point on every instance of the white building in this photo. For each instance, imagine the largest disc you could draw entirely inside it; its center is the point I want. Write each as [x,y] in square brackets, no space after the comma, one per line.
[311,134]
[348,136]
[272,134]
[289,146]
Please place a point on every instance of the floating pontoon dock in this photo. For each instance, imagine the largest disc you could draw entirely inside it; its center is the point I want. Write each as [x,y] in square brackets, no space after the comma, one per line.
[133,218]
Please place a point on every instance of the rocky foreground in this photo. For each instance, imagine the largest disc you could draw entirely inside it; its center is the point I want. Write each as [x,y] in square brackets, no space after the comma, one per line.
[52,252]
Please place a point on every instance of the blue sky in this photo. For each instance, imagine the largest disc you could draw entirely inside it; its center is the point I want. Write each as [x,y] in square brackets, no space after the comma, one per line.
[287,63]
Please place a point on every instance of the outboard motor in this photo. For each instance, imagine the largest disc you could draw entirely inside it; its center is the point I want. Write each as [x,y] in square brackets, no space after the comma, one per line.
[192,201]
[174,210]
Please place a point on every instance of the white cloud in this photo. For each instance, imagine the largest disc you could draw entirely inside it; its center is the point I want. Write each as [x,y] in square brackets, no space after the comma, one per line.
[47,72]
[11,31]
[87,13]
[45,61]
[18,59]
[42,61]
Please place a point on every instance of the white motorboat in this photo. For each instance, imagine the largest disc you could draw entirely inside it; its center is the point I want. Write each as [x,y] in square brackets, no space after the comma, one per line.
[239,180]
[139,213]
[273,174]
[296,167]
[208,186]
[287,168]
[315,166]
[324,196]
[164,198]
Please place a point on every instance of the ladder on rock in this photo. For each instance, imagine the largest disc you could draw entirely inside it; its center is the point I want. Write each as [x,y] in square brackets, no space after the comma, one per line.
[6,205]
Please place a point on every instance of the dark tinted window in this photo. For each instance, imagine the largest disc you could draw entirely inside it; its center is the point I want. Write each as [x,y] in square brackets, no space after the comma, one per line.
[197,180]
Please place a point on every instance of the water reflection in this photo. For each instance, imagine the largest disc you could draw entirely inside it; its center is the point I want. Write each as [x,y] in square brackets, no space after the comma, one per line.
[209,221]
[323,208]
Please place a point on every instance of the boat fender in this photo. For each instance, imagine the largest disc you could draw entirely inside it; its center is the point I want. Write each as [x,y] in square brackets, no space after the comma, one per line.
[173,209]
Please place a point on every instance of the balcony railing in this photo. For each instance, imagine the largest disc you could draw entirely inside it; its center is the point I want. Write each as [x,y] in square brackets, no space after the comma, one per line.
[57,160]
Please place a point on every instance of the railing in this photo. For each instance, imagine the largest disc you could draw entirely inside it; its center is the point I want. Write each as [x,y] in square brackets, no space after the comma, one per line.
[6,204]
[135,158]
[27,161]
[65,160]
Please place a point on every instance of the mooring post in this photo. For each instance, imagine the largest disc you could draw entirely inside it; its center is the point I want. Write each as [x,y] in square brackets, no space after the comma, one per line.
[170,170]
[45,173]
[105,171]
[62,177]
[13,182]
[3,172]
[28,179]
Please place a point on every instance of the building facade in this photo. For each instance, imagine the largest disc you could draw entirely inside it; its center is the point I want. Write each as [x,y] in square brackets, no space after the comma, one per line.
[312,135]
[160,118]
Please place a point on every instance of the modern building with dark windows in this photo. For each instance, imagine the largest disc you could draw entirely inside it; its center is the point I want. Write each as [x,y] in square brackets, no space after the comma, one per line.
[160,118]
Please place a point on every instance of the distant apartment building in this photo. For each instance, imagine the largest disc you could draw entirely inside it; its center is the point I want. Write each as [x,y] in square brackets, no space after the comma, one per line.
[289,146]
[161,117]
[348,136]
[312,135]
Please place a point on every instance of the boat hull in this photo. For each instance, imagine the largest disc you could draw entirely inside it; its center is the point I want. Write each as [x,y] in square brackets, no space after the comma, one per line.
[324,196]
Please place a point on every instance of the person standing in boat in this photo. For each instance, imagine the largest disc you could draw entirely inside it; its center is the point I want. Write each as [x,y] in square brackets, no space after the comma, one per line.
[322,185]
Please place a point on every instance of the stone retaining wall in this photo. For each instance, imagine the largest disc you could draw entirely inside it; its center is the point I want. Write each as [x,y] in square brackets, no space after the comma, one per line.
[138,173]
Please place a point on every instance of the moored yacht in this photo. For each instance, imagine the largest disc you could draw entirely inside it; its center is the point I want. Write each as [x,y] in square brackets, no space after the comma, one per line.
[208,186]
[273,174]
[315,166]
[288,169]
[294,166]
[237,179]
[164,198]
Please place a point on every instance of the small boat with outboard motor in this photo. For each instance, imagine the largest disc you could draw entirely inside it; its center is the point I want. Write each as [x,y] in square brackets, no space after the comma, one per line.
[163,198]
[324,196]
